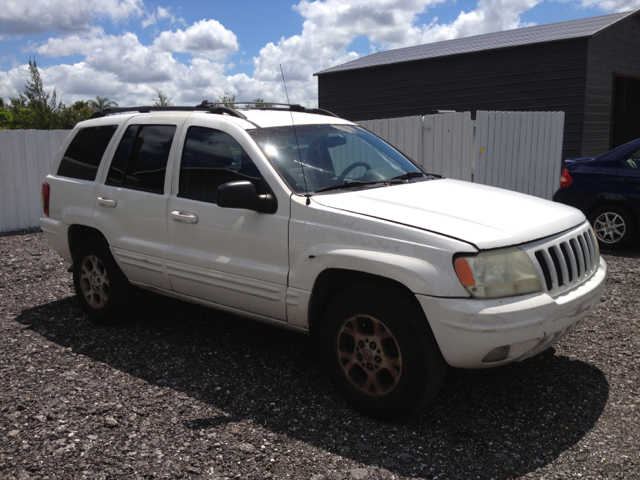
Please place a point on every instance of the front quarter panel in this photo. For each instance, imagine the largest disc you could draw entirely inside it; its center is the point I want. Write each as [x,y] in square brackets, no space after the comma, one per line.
[322,238]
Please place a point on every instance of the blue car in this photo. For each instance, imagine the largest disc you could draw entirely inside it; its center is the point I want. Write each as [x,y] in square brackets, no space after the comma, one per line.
[607,190]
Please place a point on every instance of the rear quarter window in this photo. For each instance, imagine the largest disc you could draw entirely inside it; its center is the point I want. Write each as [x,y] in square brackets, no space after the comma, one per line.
[82,157]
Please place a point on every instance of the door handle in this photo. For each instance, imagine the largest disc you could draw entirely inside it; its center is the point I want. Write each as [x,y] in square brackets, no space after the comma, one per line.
[107,202]
[184,217]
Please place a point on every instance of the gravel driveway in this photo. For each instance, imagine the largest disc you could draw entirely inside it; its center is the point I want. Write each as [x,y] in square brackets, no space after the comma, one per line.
[186,392]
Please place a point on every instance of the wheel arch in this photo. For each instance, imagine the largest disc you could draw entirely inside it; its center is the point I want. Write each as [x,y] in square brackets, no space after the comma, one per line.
[333,281]
[605,202]
[77,234]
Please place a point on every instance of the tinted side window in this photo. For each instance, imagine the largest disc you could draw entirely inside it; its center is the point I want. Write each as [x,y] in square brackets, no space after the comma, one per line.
[140,161]
[632,161]
[83,155]
[211,158]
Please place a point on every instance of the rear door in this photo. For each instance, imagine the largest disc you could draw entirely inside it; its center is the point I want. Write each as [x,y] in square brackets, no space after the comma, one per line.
[130,204]
[235,258]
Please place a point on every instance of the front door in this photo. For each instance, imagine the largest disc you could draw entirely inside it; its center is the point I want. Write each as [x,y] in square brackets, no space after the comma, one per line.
[231,257]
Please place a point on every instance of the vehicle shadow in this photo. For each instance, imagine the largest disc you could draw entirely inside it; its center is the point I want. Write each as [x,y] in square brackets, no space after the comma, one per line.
[496,423]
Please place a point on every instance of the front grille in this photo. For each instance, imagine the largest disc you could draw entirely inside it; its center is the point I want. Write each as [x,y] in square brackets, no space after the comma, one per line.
[567,260]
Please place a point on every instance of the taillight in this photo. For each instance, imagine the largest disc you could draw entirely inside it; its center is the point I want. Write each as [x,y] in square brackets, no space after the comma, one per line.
[45,198]
[565,179]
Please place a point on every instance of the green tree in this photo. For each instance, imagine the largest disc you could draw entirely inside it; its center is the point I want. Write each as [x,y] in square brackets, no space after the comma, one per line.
[162,100]
[227,100]
[6,118]
[21,118]
[69,116]
[37,100]
[101,103]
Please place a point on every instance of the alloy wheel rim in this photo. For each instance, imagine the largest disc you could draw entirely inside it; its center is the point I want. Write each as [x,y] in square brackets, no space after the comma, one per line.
[369,355]
[609,227]
[94,282]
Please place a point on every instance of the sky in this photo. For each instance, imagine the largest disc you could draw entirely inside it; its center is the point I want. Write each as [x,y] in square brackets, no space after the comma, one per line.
[128,50]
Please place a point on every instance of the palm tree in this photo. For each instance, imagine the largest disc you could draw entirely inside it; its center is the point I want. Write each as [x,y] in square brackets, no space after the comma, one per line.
[101,103]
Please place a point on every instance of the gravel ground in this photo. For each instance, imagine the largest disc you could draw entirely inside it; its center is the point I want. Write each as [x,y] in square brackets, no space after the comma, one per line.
[186,392]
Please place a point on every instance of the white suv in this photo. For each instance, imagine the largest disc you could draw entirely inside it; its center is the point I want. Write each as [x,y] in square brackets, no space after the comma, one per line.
[306,221]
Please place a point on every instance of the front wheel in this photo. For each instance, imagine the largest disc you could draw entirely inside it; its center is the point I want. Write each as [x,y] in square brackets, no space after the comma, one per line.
[380,353]
[101,287]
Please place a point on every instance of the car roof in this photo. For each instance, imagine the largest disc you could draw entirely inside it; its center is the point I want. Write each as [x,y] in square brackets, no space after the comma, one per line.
[619,152]
[247,118]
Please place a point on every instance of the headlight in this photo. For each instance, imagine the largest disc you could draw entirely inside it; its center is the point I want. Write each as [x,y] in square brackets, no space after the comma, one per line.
[498,273]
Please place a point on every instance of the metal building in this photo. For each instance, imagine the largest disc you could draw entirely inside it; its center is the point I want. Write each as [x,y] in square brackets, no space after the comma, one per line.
[588,68]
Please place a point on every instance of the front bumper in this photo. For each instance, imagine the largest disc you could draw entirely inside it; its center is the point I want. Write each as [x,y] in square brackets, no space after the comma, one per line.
[468,329]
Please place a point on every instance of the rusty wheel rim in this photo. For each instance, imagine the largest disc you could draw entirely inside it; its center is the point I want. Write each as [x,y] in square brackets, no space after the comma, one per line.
[369,355]
[94,282]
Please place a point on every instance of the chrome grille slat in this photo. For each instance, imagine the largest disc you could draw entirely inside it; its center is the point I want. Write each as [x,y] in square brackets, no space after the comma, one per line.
[594,248]
[586,252]
[580,256]
[563,264]
[566,260]
[572,260]
[551,268]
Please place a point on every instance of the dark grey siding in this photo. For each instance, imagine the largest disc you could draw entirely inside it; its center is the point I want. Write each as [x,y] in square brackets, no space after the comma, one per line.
[540,77]
[614,50]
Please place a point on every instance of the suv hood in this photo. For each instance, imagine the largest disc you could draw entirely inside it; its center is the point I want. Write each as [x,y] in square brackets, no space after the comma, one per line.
[484,216]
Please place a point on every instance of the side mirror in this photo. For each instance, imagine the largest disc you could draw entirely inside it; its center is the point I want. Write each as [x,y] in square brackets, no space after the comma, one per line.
[242,194]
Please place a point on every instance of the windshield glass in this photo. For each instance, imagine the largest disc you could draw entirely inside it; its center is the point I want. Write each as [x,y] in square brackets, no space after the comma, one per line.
[325,156]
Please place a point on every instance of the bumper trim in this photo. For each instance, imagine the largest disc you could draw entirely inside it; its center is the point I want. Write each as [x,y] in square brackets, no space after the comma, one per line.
[467,329]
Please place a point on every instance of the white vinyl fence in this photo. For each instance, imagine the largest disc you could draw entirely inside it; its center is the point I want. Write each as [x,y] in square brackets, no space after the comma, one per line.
[25,160]
[520,151]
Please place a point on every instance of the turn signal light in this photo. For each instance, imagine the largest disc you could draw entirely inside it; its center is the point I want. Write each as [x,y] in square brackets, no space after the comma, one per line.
[464,272]
[565,179]
[45,198]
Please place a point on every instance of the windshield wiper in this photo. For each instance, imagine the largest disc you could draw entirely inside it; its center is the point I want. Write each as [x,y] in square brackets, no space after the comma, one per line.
[409,175]
[351,184]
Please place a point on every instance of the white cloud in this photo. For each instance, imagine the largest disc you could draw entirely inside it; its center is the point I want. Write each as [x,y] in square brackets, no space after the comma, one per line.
[132,61]
[12,82]
[206,38]
[23,17]
[160,14]
[122,55]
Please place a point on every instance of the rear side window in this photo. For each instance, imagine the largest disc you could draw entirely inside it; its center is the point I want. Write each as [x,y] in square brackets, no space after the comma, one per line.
[632,161]
[211,158]
[83,155]
[140,162]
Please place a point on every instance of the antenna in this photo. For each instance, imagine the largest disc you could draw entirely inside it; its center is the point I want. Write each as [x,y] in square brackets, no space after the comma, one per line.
[295,134]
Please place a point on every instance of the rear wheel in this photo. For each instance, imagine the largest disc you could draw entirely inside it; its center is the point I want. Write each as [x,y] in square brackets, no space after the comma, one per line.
[101,287]
[380,353]
[614,226]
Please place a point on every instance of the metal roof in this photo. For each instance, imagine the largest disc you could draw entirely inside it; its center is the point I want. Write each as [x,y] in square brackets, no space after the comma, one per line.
[584,27]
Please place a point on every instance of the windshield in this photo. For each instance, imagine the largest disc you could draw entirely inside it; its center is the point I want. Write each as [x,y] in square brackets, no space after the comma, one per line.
[329,157]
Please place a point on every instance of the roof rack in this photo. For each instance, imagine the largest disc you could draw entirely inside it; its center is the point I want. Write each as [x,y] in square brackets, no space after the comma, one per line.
[203,107]
[293,107]
[218,108]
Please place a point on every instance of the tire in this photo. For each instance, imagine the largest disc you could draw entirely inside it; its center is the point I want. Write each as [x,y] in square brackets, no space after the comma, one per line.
[614,227]
[380,353]
[101,287]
